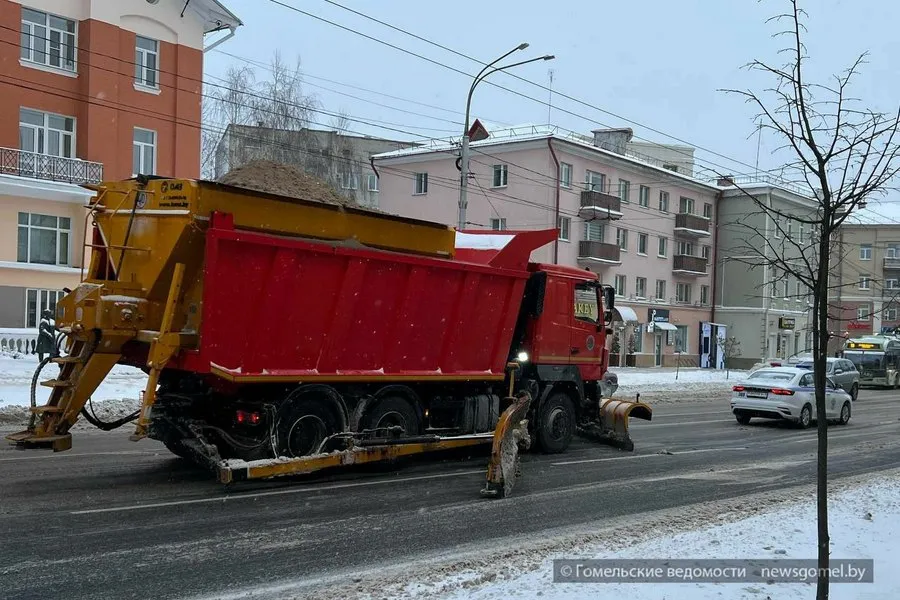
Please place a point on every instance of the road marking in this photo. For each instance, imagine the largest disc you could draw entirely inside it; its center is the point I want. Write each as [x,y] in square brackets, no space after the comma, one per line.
[294,490]
[680,423]
[637,456]
[691,414]
[66,455]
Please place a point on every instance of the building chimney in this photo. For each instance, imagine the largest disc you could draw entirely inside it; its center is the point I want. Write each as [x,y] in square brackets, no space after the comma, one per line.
[613,140]
[725,181]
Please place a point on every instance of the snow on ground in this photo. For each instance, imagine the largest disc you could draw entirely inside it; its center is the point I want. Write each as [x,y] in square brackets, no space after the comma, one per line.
[661,385]
[117,396]
[864,522]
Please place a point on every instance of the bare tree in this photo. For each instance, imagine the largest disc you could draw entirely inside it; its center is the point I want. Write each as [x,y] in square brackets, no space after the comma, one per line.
[844,154]
[731,348]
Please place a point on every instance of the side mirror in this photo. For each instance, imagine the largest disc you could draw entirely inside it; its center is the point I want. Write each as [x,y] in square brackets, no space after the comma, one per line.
[609,302]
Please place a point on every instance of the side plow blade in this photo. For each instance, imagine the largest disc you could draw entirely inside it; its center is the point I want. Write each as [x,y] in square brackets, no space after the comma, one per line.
[511,432]
[612,427]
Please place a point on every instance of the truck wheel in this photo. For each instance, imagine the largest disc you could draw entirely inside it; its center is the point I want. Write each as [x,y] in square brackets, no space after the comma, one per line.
[177,448]
[556,423]
[393,411]
[303,424]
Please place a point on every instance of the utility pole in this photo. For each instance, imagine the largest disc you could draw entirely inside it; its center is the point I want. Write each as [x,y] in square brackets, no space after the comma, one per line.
[464,146]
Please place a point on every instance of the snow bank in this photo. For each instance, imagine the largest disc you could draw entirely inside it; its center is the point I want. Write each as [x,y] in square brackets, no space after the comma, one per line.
[661,385]
[116,397]
[864,523]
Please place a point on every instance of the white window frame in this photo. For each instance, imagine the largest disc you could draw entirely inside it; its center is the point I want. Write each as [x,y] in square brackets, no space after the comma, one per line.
[685,202]
[372,182]
[40,134]
[685,248]
[564,225]
[622,239]
[31,29]
[789,229]
[798,291]
[865,283]
[892,251]
[704,295]
[777,224]
[594,231]
[862,313]
[683,292]
[624,190]
[142,71]
[645,238]
[42,302]
[704,252]
[60,232]
[644,196]
[640,287]
[142,147]
[660,289]
[801,233]
[892,284]
[890,314]
[349,181]
[623,279]
[707,210]
[503,172]
[565,175]
[594,181]
[420,183]
[663,201]
[498,223]
[865,252]
[662,247]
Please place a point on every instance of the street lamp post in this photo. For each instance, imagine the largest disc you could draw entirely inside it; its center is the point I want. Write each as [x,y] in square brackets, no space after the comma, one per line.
[464,151]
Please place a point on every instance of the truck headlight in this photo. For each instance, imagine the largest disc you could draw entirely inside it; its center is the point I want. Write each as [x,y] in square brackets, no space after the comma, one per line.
[522,356]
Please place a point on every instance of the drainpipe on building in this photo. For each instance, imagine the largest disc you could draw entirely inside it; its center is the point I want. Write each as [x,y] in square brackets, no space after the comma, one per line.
[556,205]
[767,300]
[715,256]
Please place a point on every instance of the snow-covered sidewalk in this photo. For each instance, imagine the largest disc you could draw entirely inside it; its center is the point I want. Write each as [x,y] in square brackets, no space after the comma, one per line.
[669,385]
[864,523]
[118,395]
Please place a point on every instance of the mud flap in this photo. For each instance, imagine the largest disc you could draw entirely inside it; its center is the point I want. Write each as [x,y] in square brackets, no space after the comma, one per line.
[612,427]
[511,432]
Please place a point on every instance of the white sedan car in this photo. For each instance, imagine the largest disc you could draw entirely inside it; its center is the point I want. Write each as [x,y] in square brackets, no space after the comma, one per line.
[787,393]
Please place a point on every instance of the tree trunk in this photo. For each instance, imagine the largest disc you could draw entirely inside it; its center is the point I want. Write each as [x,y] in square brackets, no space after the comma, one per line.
[820,357]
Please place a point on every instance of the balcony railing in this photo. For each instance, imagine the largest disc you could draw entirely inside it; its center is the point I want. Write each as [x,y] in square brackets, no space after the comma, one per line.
[600,253]
[52,168]
[687,224]
[599,205]
[891,292]
[892,263]
[690,265]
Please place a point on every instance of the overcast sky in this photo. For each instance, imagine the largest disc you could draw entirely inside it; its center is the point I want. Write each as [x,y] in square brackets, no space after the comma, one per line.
[658,63]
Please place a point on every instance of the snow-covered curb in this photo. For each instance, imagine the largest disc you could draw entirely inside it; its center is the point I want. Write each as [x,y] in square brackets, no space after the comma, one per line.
[504,567]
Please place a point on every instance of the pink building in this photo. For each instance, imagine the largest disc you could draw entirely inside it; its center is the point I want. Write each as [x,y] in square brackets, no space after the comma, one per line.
[644,225]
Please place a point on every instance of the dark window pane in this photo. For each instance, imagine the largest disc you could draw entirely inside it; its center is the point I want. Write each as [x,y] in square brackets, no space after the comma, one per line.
[22,246]
[31,308]
[43,247]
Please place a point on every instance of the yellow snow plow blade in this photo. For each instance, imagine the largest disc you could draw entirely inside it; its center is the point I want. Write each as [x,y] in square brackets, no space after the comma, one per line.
[511,432]
[612,428]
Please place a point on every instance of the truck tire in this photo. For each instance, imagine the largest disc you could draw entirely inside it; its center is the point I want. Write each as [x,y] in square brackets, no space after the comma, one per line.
[304,423]
[556,423]
[178,449]
[392,411]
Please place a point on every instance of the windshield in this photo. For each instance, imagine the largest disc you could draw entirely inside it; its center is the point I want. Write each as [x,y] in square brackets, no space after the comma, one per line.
[871,360]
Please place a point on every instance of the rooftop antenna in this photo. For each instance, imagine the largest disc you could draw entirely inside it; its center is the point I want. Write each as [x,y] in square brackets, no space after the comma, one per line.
[550,101]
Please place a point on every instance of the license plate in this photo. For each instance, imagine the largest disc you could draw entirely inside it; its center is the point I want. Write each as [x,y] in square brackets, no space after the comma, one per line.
[757,394]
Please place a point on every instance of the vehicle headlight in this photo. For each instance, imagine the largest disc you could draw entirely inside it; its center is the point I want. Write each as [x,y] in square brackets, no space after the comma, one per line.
[522,357]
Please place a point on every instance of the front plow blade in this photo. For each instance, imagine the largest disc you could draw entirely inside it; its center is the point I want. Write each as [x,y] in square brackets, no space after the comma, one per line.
[612,427]
[511,431]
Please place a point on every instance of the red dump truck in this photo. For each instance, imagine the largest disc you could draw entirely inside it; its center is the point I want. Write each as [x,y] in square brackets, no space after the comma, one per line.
[282,336]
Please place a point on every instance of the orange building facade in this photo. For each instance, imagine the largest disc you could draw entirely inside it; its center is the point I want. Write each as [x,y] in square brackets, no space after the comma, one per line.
[89,90]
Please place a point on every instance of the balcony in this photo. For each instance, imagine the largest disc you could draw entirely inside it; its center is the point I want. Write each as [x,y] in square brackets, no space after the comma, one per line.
[599,205]
[598,254]
[691,225]
[891,292]
[892,263]
[50,168]
[689,265]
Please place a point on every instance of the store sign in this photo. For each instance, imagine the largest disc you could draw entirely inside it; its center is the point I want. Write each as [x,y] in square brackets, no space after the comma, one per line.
[658,315]
[855,325]
[786,322]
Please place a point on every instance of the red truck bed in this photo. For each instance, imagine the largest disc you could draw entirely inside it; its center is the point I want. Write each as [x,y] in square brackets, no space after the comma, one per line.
[278,308]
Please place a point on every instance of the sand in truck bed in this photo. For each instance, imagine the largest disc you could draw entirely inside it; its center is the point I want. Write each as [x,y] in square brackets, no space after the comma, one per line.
[284,180]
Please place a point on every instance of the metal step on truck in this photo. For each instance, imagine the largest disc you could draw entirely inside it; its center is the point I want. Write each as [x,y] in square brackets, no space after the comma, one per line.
[284,336]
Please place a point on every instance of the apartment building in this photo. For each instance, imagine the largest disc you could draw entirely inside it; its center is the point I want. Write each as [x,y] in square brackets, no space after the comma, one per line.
[642,225]
[89,90]
[766,309]
[865,288]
